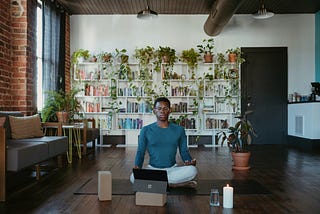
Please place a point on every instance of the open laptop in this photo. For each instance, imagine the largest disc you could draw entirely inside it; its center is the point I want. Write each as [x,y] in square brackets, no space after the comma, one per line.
[150,180]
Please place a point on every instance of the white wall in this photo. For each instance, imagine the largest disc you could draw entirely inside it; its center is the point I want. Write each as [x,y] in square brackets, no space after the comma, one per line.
[297,32]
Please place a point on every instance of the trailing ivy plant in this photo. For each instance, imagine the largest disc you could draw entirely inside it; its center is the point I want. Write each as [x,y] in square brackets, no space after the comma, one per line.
[220,68]
[191,57]
[145,56]
[79,53]
[167,56]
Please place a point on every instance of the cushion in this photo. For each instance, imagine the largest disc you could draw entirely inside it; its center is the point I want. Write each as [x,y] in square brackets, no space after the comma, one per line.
[2,121]
[6,125]
[25,127]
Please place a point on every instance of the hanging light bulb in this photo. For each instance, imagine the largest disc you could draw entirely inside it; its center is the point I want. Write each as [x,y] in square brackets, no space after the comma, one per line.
[147,13]
[262,13]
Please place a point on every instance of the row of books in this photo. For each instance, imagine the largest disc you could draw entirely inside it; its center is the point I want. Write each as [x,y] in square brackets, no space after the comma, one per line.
[130,92]
[134,107]
[186,122]
[91,107]
[100,90]
[180,107]
[212,123]
[130,123]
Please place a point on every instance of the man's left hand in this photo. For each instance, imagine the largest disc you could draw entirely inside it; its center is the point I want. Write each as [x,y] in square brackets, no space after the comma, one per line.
[192,162]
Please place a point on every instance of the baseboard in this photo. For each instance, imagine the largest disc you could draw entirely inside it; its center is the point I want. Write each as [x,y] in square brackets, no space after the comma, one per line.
[303,143]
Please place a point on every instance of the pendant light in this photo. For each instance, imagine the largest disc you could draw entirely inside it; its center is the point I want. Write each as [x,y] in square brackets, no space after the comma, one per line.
[262,13]
[147,13]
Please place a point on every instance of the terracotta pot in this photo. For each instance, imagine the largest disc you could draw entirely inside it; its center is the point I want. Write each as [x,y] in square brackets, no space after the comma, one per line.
[241,160]
[208,58]
[232,57]
[165,59]
[63,116]
[106,58]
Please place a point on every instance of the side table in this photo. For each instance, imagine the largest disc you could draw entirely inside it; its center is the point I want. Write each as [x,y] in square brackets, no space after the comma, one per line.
[73,131]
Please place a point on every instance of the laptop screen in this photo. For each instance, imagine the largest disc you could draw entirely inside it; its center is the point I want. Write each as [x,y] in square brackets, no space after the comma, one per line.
[150,174]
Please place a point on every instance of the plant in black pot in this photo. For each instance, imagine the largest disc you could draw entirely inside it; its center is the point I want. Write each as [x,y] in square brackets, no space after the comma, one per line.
[239,137]
[60,106]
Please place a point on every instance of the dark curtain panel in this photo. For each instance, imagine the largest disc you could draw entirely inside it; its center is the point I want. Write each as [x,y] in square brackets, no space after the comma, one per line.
[53,47]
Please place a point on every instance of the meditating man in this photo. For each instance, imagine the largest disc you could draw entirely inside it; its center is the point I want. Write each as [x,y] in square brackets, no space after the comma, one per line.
[161,140]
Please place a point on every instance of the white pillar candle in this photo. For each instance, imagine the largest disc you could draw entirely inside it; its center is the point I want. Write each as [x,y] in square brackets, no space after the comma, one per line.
[227,197]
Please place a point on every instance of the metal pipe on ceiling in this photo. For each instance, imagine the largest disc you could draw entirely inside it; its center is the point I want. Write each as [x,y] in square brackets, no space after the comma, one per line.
[220,14]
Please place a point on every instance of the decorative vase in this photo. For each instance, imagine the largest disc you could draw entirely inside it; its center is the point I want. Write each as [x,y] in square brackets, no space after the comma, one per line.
[208,58]
[241,160]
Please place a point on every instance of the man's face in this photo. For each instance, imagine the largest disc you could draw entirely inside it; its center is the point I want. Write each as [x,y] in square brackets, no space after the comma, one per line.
[162,111]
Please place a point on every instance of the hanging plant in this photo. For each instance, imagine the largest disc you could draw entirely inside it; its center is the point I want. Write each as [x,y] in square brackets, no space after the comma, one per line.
[80,55]
[191,57]
[144,55]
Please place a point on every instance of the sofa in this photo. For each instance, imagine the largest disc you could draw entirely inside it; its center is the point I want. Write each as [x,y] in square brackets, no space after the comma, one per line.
[22,144]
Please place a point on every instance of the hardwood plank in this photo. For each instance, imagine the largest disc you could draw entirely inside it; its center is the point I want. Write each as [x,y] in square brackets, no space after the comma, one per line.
[2,164]
[292,176]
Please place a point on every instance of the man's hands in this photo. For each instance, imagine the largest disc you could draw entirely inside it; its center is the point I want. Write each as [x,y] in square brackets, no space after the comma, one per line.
[192,162]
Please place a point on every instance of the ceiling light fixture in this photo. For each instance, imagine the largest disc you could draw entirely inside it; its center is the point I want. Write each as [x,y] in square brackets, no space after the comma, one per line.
[262,13]
[147,13]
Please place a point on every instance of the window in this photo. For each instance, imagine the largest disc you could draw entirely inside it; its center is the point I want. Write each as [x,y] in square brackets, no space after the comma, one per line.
[50,49]
[39,57]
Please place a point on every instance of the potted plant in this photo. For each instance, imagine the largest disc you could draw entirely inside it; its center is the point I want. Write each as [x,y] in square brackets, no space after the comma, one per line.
[144,55]
[167,56]
[105,56]
[191,57]
[60,106]
[239,137]
[235,55]
[220,68]
[80,55]
[207,50]
[122,55]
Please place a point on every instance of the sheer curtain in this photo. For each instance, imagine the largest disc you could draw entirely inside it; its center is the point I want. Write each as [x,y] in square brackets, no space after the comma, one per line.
[53,54]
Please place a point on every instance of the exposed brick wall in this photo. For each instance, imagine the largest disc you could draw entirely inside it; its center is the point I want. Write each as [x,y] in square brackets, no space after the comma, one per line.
[5,55]
[18,56]
[67,52]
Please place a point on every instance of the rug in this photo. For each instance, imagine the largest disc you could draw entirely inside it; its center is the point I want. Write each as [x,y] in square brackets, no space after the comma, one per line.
[124,187]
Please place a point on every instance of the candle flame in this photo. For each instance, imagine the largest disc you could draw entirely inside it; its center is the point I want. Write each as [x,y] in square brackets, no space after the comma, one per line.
[227,185]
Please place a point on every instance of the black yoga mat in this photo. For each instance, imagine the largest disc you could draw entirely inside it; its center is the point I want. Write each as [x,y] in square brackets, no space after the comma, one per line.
[124,187]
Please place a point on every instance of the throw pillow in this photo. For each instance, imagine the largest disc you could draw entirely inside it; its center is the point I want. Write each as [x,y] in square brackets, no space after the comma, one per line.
[2,121]
[25,127]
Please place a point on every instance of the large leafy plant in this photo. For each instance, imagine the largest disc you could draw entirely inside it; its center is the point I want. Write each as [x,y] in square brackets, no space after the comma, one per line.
[240,135]
[60,101]
[207,46]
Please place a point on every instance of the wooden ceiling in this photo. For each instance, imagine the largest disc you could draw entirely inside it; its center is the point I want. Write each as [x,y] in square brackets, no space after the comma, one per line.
[184,6]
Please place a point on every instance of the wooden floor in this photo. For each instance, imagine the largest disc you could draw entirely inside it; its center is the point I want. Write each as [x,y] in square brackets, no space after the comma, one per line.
[292,176]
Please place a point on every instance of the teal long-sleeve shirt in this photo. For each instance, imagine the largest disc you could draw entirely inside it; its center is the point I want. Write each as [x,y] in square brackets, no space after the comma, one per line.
[162,145]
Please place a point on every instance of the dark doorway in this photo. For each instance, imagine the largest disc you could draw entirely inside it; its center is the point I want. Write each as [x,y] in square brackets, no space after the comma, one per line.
[264,87]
